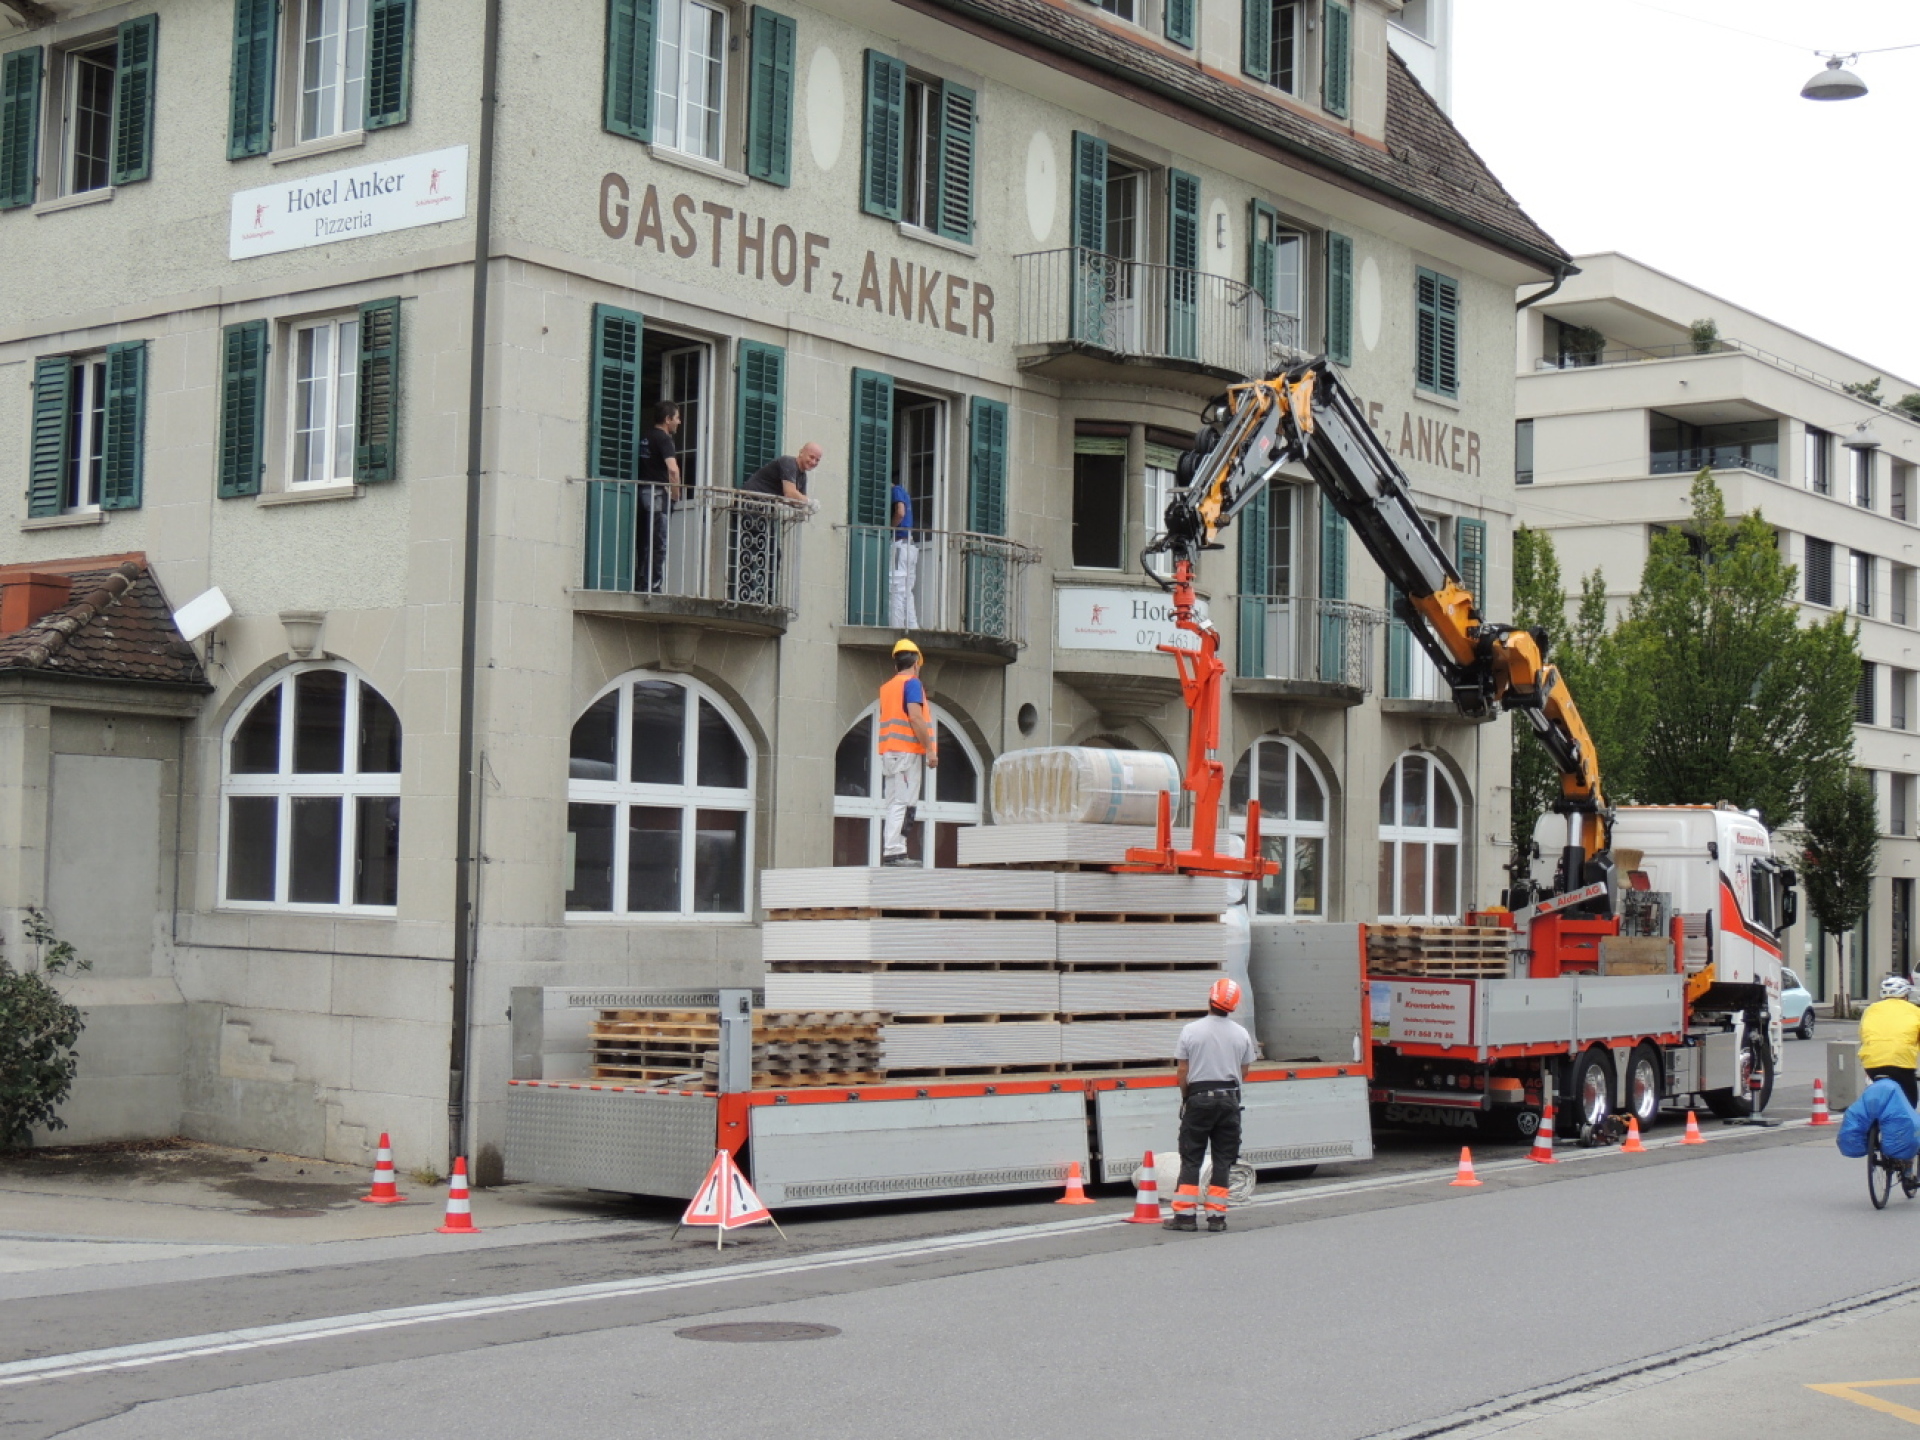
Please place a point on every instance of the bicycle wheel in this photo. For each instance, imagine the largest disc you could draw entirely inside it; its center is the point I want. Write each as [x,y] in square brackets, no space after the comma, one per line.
[1879,1176]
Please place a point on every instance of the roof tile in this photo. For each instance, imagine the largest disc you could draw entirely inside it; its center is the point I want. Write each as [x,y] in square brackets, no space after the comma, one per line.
[117,626]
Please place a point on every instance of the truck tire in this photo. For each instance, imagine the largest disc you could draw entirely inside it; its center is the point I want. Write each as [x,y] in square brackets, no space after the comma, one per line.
[1589,1092]
[1756,1062]
[1642,1089]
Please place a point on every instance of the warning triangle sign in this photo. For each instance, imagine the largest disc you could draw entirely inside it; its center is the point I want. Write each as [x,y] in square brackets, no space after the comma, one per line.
[725,1198]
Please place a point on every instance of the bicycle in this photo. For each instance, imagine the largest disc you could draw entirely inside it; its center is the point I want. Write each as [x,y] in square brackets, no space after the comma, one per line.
[1883,1170]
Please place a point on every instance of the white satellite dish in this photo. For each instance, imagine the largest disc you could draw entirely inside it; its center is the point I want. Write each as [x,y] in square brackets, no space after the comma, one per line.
[202,613]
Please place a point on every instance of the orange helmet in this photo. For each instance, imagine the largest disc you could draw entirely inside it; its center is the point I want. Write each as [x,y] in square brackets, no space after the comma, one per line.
[1225,995]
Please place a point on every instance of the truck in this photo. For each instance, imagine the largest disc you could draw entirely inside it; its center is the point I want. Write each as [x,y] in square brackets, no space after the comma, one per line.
[1635,957]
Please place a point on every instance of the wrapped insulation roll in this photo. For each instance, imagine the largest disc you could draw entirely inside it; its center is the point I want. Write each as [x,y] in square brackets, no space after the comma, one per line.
[1078,784]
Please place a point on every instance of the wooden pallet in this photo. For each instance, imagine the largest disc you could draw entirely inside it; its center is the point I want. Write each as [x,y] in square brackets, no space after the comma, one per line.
[1121,917]
[874,912]
[772,1081]
[1439,969]
[1030,1072]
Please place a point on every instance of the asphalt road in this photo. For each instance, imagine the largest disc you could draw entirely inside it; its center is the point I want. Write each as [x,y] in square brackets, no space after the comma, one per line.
[1367,1301]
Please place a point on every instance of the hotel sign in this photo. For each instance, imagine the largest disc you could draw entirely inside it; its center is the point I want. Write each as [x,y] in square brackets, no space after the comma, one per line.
[295,214]
[1139,620]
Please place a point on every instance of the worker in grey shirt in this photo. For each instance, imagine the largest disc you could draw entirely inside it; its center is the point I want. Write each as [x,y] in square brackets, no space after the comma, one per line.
[1214,1054]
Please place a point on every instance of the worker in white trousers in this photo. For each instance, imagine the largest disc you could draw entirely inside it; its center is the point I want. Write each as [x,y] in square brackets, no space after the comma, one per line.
[907,742]
[902,613]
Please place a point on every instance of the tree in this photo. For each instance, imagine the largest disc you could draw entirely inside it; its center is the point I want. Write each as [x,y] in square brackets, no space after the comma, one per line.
[1837,858]
[1733,698]
[38,1032]
[1910,403]
[1867,390]
[1705,335]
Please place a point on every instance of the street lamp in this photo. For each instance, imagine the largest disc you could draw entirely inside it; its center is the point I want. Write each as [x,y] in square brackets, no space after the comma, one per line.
[1834,83]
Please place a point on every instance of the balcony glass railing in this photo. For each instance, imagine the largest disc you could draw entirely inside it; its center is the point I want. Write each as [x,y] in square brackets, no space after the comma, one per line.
[1134,310]
[1293,637]
[956,582]
[1760,459]
[709,543]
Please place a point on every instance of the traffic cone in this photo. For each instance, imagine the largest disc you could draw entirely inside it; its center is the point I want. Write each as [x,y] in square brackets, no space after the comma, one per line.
[1633,1145]
[1542,1152]
[1076,1194]
[459,1219]
[385,1191]
[1146,1200]
[1820,1115]
[1466,1175]
[1693,1135]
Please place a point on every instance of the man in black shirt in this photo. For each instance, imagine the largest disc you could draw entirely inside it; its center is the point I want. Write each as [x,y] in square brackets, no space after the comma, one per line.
[659,488]
[756,576]
[785,475]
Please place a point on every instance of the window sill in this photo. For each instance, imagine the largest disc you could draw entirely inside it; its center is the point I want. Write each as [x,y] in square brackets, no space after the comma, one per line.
[74,202]
[1434,397]
[62,522]
[930,237]
[313,496]
[347,140]
[667,155]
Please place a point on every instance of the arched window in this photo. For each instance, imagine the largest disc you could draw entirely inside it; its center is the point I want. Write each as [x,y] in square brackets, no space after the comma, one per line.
[1419,841]
[659,802]
[312,792]
[1293,825]
[950,798]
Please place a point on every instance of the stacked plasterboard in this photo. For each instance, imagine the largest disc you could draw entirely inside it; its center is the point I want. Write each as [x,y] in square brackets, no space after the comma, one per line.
[985,970]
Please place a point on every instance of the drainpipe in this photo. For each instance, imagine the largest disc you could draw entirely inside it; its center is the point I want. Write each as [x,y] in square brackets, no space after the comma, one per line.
[1560,274]
[463,919]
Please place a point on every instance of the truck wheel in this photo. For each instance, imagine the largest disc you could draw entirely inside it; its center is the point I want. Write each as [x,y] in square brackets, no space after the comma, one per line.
[1591,1091]
[1643,1086]
[1756,1065]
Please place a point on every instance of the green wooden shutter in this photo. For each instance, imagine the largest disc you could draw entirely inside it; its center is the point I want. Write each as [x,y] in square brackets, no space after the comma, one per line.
[1255,538]
[376,435]
[1262,223]
[52,403]
[1337,59]
[1470,557]
[389,62]
[1180,22]
[1089,192]
[1437,332]
[1339,299]
[123,443]
[760,406]
[613,448]
[256,42]
[987,467]
[1333,586]
[1256,38]
[1399,649]
[133,75]
[1183,256]
[19,126]
[628,104]
[243,394]
[884,135]
[956,162]
[869,483]
[770,98]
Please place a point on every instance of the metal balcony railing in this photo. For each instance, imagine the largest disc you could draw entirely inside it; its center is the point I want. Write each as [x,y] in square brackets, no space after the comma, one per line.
[958,582]
[1760,459]
[729,547]
[1293,637]
[1133,310]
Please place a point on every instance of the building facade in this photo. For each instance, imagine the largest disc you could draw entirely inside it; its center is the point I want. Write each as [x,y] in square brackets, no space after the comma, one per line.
[1623,398]
[996,253]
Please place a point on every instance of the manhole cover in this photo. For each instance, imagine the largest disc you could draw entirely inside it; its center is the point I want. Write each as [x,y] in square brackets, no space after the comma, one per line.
[750,1332]
[287,1212]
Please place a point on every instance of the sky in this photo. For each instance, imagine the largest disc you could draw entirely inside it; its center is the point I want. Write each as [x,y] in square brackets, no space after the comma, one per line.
[1644,126]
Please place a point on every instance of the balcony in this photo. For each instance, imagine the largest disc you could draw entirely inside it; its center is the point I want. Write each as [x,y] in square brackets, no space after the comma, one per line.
[1760,459]
[714,554]
[1306,649]
[961,593]
[1088,316]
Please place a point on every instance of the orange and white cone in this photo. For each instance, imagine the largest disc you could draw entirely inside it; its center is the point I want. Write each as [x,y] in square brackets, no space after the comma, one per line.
[1076,1192]
[1693,1135]
[385,1191]
[1466,1175]
[1146,1200]
[1633,1145]
[1820,1115]
[1542,1152]
[459,1219]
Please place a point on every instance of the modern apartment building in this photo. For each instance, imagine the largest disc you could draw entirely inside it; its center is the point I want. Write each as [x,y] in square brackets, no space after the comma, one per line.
[489,710]
[1622,400]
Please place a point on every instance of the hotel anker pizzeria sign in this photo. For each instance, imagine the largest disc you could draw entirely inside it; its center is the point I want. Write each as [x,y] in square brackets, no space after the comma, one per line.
[346,204]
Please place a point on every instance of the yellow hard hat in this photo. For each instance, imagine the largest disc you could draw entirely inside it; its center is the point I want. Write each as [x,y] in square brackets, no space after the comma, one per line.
[906,647]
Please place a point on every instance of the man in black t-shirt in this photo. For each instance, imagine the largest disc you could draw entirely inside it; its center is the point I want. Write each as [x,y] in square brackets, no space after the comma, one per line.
[659,488]
[756,576]
[785,475]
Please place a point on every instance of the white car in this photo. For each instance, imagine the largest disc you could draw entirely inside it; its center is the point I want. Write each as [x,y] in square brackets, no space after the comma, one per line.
[1796,1006]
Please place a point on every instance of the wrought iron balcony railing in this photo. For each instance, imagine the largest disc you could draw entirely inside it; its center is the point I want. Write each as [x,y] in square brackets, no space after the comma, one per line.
[957,582]
[725,546]
[1293,637]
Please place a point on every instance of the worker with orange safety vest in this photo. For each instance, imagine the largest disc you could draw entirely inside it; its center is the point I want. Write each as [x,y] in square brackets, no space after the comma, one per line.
[907,741]
[1214,1054]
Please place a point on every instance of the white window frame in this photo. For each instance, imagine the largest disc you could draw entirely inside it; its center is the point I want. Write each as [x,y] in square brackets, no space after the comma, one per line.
[1280,833]
[1398,835]
[689,797]
[929,810]
[920,150]
[345,78]
[350,785]
[71,61]
[86,415]
[1291,10]
[671,105]
[695,438]
[344,339]
[1157,485]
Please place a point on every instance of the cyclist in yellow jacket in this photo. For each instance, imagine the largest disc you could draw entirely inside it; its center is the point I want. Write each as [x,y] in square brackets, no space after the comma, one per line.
[1890,1036]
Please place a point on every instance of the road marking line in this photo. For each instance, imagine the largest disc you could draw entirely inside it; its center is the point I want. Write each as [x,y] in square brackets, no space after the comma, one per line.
[188,1347]
[1851,1391]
